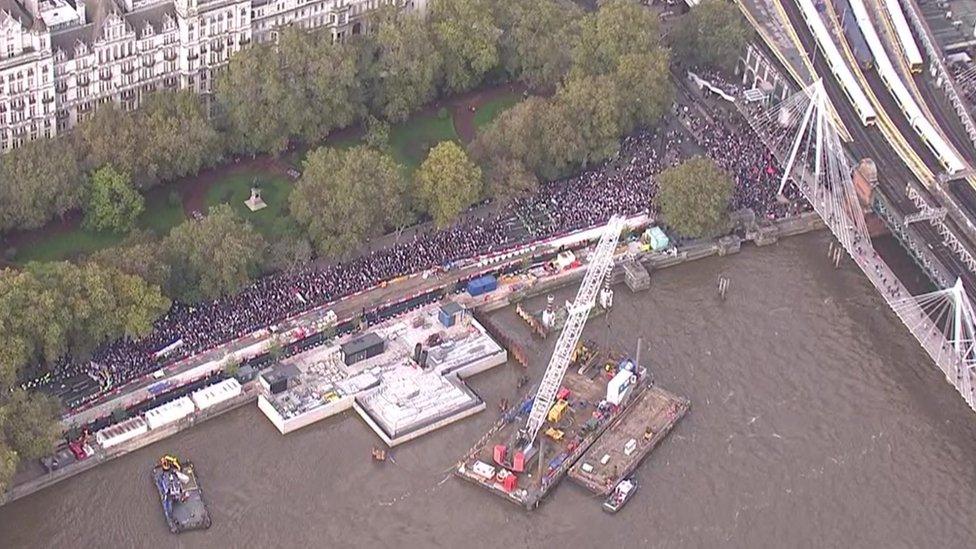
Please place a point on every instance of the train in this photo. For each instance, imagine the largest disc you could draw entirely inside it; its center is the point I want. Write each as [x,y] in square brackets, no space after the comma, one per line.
[858,99]
[852,32]
[941,149]
[906,40]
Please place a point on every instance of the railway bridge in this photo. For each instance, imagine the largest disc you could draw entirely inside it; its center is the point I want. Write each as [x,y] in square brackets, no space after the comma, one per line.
[802,135]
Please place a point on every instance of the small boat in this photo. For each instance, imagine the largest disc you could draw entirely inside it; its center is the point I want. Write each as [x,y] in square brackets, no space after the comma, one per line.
[180,495]
[620,495]
[379,454]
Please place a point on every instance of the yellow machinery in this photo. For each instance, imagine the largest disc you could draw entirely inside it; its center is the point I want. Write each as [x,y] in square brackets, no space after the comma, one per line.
[554,434]
[557,410]
[170,461]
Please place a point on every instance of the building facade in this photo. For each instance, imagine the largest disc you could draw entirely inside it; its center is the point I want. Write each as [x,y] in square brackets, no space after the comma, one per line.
[61,59]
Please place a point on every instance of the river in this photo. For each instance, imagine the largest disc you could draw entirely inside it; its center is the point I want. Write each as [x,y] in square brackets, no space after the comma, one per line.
[816,421]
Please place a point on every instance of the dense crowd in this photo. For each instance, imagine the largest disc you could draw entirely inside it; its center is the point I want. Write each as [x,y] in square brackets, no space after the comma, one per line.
[624,184]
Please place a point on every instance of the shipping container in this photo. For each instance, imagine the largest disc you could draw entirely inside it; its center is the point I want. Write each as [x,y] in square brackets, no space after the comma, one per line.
[362,348]
[482,285]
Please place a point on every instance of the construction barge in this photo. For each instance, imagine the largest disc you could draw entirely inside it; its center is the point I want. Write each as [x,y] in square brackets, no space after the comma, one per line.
[632,436]
[593,411]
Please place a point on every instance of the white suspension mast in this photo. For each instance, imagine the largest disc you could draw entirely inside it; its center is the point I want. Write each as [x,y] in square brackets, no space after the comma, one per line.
[601,261]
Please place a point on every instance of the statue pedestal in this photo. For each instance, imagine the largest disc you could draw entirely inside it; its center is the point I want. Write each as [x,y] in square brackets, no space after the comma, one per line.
[255,203]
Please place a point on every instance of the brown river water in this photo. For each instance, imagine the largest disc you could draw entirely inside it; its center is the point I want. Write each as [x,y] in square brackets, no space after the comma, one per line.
[816,421]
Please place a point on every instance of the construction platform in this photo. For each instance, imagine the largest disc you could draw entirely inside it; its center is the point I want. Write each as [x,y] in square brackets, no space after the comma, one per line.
[629,439]
[405,376]
[588,394]
[550,319]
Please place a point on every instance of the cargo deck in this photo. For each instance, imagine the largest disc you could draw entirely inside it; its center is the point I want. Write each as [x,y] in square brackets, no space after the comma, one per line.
[631,437]
[585,420]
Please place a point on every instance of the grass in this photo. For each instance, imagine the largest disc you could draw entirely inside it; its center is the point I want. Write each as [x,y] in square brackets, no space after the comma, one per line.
[272,221]
[161,214]
[492,108]
[59,246]
[410,141]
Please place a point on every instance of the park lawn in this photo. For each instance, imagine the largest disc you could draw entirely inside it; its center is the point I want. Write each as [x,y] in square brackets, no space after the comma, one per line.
[410,141]
[61,246]
[493,107]
[160,216]
[272,221]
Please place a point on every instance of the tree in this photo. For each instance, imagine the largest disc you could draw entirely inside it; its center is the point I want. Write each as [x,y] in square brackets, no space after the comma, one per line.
[467,39]
[346,197]
[113,137]
[713,34]
[694,198]
[586,115]
[323,74]
[644,89]
[377,133]
[169,137]
[113,205]
[8,463]
[139,255]
[31,425]
[215,256]
[448,181]
[510,149]
[179,138]
[538,40]
[404,65]
[51,309]
[253,97]
[38,181]
[98,304]
[618,28]
[288,252]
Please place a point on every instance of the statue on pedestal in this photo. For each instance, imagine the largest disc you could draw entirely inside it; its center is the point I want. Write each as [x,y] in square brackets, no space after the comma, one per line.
[255,203]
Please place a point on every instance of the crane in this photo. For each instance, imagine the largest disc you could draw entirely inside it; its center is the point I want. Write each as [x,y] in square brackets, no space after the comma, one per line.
[601,261]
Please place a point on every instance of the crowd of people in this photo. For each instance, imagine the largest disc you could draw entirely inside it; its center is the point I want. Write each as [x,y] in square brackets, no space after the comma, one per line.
[624,184]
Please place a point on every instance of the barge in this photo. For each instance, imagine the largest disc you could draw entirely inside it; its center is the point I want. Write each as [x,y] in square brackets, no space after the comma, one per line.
[180,495]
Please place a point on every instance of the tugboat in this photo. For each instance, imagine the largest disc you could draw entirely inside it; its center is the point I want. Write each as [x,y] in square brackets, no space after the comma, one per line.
[180,495]
[620,495]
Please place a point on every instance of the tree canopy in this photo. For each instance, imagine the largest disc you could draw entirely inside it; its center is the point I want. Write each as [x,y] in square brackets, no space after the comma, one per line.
[168,137]
[467,38]
[32,427]
[214,256]
[40,180]
[618,28]
[644,89]
[694,198]
[449,182]
[266,93]
[51,309]
[347,197]
[113,205]
[713,34]
[404,65]
[537,43]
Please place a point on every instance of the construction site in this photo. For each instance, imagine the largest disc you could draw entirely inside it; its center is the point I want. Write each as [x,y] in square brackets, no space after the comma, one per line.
[596,414]
[404,377]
